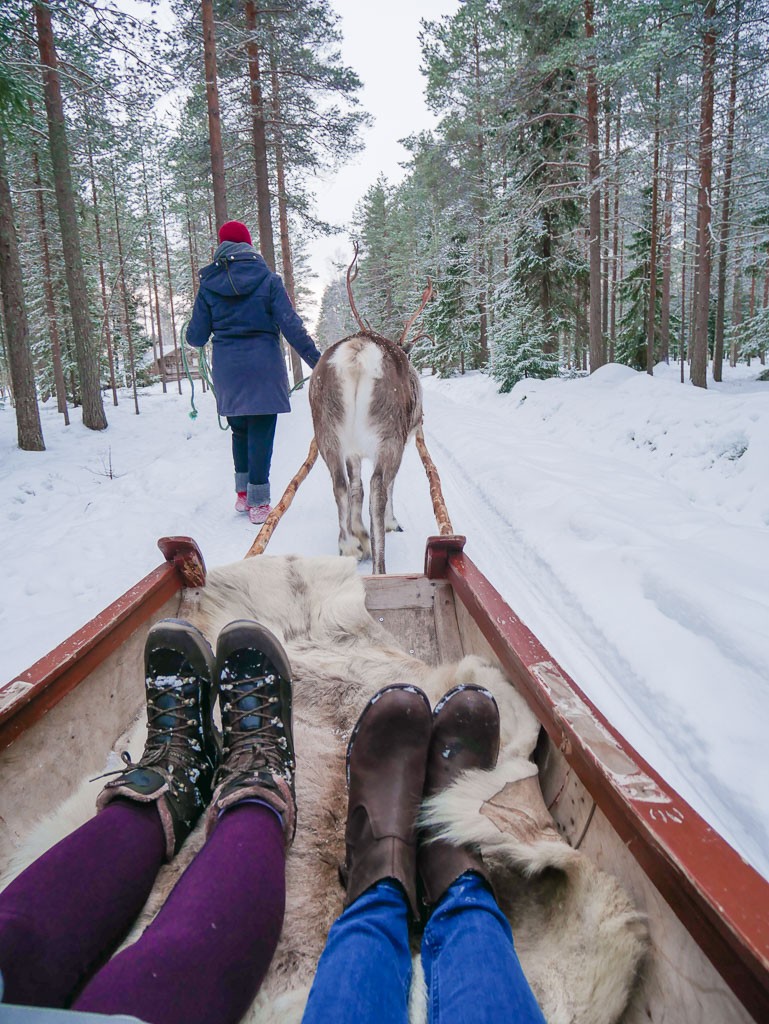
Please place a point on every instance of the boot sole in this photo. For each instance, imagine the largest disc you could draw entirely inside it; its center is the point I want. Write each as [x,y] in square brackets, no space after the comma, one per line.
[375,700]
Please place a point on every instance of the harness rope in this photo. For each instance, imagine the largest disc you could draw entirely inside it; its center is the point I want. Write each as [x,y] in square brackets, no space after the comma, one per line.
[436,494]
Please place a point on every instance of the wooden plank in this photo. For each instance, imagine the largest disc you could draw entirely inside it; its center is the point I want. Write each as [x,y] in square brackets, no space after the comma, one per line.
[450,647]
[399,592]
[722,901]
[413,629]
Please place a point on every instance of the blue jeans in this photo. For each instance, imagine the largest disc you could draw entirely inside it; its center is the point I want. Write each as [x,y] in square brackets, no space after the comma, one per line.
[472,972]
[252,442]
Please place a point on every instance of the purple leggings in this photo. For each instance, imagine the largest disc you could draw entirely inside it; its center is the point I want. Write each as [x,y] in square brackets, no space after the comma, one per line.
[204,956]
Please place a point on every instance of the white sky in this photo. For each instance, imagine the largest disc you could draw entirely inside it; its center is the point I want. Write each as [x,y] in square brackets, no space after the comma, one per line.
[381,44]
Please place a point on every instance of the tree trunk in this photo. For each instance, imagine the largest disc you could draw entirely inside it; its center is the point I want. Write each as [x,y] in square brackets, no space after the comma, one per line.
[261,169]
[50,303]
[605,224]
[699,367]
[652,311]
[214,115]
[153,336]
[124,289]
[102,278]
[86,352]
[285,239]
[170,282]
[667,252]
[28,427]
[683,261]
[151,247]
[615,242]
[193,266]
[723,242]
[483,334]
[194,276]
[736,304]
[597,355]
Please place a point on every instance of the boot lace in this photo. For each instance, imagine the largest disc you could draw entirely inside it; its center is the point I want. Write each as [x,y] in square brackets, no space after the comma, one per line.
[254,748]
[165,743]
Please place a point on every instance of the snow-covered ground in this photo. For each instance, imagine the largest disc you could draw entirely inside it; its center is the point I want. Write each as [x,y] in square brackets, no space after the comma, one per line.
[625,518]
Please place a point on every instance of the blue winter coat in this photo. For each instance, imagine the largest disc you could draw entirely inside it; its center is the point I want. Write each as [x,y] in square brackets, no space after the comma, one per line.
[245,306]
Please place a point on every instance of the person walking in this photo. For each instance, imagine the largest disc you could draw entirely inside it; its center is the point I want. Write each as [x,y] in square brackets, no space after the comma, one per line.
[245,306]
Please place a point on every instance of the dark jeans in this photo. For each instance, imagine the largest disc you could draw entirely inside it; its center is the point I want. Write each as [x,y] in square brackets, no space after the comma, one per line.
[253,437]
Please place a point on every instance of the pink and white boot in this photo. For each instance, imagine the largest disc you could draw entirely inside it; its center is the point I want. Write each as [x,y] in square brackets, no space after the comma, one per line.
[257,514]
[241,504]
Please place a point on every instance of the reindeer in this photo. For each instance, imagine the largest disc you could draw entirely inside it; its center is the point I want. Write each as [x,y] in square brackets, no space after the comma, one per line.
[366,401]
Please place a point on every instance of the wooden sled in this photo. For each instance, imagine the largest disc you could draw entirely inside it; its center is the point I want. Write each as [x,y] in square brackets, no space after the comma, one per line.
[707,910]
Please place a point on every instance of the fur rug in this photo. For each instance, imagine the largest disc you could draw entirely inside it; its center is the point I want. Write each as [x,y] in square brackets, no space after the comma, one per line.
[579,938]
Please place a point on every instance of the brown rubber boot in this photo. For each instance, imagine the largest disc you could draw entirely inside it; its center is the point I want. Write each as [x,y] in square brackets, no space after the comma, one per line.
[386,760]
[465,735]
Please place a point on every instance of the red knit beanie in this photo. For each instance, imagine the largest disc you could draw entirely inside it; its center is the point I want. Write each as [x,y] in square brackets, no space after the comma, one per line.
[234,231]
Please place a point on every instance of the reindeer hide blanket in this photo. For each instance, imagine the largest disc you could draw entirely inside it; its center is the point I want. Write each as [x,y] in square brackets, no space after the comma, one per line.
[579,938]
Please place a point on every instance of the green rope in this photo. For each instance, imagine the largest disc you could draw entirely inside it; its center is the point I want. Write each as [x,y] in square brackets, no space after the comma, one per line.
[205,373]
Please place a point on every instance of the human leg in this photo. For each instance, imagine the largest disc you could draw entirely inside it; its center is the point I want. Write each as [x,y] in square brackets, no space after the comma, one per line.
[365,970]
[239,431]
[471,968]
[68,910]
[261,439]
[364,973]
[206,954]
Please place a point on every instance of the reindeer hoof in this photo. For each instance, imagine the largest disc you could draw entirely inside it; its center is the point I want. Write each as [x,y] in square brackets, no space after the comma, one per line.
[394,527]
[352,549]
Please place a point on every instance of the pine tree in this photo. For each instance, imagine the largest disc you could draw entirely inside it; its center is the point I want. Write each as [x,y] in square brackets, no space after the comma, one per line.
[520,339]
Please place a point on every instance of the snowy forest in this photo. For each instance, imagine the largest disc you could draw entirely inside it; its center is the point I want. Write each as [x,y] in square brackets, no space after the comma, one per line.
[596,188]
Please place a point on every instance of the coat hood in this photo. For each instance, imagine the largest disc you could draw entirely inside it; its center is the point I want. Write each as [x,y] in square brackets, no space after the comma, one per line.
[237,270]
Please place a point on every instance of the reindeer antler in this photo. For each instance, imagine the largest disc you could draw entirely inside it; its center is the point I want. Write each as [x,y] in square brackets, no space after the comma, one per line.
[427,294]
[364,326]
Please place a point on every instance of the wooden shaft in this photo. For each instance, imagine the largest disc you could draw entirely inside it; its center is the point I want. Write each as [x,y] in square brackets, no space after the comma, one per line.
[439,505]
[272,520]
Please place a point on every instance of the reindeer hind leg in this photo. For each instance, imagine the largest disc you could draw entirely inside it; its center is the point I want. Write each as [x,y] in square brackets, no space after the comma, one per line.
[391,523]
[377,507]
[348,542]
[357,527]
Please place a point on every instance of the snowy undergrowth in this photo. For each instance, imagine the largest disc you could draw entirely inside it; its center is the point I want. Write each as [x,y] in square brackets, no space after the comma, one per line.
[624,518]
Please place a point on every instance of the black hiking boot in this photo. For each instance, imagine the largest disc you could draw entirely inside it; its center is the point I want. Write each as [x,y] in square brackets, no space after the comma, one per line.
[180,755]
[253,679]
